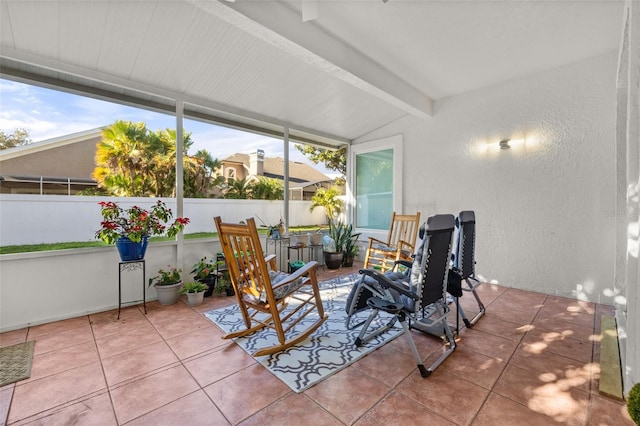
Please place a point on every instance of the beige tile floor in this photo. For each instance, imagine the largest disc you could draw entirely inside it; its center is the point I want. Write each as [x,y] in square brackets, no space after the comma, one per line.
[531,360]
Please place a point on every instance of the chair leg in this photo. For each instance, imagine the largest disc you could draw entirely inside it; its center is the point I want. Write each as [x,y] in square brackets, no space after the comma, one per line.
[472,288]
[363,337]
[402,317]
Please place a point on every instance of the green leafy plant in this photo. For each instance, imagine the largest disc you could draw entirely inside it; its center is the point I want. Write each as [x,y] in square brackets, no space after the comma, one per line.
[193,288]
[166,276]
[329,199]
[340,233]
[224,282]
[204,268]
[135,223]
[633,403]
[351,247]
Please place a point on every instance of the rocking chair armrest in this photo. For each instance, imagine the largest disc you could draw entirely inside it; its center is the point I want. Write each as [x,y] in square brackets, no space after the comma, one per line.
[373,240]
[402,244]
[270,260]
[387,283]
[300,273]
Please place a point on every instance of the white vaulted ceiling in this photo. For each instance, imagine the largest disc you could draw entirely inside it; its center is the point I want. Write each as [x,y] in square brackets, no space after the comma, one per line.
[358,65]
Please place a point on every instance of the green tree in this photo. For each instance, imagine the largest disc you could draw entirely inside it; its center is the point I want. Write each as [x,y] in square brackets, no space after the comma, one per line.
[327,198]
[238,189]
[332,159]
[121,163]
[198,174]
[268,189]
[19,137]
[133,161]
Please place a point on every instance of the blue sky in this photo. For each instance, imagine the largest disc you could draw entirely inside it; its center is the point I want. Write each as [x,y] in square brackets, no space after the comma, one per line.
[49,113]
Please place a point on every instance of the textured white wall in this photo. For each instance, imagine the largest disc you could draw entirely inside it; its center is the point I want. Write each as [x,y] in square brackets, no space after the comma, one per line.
[546,211]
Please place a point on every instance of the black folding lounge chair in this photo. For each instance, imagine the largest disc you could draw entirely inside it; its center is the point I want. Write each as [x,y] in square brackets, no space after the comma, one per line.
[420,302]
[464,264]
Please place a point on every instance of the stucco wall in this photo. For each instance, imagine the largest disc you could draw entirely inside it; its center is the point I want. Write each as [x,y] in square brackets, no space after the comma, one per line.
[546,210]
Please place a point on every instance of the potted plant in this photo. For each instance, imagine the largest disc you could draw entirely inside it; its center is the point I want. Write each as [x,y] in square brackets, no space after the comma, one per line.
[333,246]
[224,284]
[204,271]
[167,284]
[131,228]
[195,292]
[351,247]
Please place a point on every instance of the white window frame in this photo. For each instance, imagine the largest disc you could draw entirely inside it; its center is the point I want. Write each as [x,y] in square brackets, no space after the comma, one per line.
[392,142]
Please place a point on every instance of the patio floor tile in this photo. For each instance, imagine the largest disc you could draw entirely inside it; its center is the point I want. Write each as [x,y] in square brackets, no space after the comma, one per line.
[53,391]
[531,359]
[396,409]
[264,388]
[499,410]
[444,393]
[54,362]
[137,362]
[194,409]
[92,411]
[218,364]
[348,394]
[142,396]
[294,409]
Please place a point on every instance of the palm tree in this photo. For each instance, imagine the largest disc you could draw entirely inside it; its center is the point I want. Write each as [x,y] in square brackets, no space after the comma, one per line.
[198,174]
[268,189]
[120,160]
[327,198]
[238,189]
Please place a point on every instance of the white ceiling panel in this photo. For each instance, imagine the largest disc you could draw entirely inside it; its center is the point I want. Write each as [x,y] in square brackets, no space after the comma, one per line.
[356,66]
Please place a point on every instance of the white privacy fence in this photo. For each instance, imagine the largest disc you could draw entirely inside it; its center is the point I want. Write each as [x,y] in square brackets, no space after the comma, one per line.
[35,219]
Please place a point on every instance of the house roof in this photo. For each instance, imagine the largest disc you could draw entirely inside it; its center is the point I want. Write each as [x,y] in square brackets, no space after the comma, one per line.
[69,157]
[354,67]
[48,144]
[274,168]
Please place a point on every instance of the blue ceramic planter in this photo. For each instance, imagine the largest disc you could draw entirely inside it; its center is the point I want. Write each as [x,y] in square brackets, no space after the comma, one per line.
[130,250]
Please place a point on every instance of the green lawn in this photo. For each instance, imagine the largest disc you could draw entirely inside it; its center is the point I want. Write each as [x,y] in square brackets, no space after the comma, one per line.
[81,244]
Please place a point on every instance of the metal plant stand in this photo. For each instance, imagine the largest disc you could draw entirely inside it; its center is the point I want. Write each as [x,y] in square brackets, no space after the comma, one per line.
[131,265]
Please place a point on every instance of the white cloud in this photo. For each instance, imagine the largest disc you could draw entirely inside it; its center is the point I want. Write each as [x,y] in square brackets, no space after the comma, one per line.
[49,113]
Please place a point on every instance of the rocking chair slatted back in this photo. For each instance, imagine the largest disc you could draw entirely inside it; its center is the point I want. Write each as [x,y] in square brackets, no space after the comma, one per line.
[260,289]
[400,243]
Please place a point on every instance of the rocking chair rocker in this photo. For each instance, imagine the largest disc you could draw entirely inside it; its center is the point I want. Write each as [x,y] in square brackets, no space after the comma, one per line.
[263,293]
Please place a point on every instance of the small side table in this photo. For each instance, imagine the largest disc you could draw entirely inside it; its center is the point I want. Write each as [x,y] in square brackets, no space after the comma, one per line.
[299,255]
[277,249]
[315,253]
[131,265]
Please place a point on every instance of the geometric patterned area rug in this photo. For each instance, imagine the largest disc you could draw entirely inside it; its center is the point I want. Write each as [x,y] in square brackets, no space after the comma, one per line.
[328,350]
[15,362]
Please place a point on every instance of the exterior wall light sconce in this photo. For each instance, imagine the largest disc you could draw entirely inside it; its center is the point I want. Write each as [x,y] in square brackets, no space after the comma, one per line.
[508,143]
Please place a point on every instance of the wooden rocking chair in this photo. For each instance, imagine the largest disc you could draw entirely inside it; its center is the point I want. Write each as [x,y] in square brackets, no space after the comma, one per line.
[263,293]
[400,244]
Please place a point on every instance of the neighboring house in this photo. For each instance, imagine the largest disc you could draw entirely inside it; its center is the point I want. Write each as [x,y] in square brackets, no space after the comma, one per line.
[304,180]
[64,165]
[61,165]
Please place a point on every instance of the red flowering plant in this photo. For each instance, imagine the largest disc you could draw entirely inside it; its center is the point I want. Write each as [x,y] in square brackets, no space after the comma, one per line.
[135,223]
